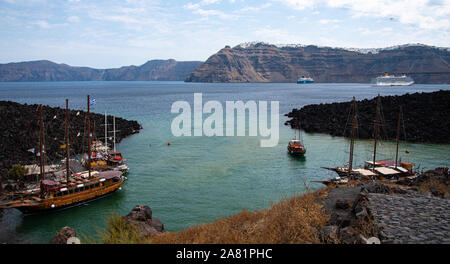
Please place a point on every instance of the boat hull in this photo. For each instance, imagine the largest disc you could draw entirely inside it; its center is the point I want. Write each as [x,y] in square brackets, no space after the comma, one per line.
[297,154]
[296,151]
[33,210]
[66,202]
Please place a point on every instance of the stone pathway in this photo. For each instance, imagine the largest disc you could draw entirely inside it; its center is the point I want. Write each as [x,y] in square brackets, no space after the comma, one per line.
[417,219]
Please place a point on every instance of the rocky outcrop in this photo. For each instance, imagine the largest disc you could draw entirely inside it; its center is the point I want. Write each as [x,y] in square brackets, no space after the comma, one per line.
[19,132]
[154,70]
[141,218]
[426,118]
[261,62]
[376,213]
[62,236]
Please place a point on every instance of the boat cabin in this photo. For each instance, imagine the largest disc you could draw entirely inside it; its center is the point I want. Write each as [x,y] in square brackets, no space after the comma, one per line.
[79,183]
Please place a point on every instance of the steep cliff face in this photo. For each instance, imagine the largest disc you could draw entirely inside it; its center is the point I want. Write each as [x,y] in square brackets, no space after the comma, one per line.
[262,62]
[154,70]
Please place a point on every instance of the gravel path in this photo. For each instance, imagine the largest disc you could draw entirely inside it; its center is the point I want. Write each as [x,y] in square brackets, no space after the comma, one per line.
[417,219]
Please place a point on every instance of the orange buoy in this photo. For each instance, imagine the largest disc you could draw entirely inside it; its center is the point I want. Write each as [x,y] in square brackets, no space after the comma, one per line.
[168,143]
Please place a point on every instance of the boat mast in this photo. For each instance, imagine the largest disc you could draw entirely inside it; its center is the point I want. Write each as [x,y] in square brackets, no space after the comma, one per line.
[89,136]
[106,132]
[114,125]
[377,117]
[41,155]
[352,140]
[398,135]
[67,141]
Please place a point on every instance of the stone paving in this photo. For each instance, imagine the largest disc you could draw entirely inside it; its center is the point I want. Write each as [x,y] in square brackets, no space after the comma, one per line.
[414,219]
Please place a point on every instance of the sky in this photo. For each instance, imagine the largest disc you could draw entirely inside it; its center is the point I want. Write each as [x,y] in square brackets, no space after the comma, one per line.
[115,33]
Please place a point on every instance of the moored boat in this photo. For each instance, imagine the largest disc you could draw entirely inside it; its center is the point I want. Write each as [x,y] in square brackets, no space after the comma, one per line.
[391,170]
[72,190]
[296,148]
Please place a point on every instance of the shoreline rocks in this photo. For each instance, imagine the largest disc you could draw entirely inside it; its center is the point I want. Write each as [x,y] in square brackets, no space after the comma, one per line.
[426,118]
[140,218]
[19,132]
[62,236]
[146,225]
[382,213]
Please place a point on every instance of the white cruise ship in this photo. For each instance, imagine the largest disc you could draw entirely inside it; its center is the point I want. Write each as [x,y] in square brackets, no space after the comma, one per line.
[391,80]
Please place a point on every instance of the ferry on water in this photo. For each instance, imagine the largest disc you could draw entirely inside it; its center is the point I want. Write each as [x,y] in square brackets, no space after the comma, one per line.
[391,80]
[305,79]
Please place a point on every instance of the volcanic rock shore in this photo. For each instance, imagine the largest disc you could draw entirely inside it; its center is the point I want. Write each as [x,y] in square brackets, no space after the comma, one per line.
[426,118]
[19,132]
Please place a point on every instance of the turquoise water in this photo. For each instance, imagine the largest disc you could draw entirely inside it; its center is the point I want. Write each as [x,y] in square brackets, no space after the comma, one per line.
[199,179]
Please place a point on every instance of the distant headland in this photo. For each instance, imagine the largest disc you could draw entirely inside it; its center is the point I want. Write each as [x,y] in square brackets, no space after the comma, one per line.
[46,71]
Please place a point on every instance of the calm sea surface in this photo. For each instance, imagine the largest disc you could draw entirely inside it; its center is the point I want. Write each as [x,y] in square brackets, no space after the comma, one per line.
[199,179]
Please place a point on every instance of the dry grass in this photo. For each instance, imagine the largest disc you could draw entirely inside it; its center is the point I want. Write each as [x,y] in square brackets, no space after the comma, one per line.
[295,220]
[117,231]
[437,184]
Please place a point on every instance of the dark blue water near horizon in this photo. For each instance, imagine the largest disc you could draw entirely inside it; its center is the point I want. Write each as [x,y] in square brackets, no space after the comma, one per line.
[199,179]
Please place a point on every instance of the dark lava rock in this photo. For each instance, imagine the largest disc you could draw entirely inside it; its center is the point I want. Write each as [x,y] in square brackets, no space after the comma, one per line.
[382,188]
[62,236]
[426,117]
[348,235]
[330,233]
[19,132]
[141,217]
[436,192]
[342,204]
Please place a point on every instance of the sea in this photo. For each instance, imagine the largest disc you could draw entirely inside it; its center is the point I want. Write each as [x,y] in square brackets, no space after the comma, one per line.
[198,179]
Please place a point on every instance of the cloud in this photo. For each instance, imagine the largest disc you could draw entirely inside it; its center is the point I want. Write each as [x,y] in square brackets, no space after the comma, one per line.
[73,19]
[255,8]
[197,9]
[423,14]
[209,2]
[328,21]
[41,24]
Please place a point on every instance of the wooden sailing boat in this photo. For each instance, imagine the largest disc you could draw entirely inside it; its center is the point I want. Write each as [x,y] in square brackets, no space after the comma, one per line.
[347,173]
[115,160]
[76,189]
[390,169]
[374,168]
[295,146]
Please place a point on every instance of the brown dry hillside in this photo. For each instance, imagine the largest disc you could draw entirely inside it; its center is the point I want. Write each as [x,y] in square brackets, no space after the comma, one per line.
[262,62]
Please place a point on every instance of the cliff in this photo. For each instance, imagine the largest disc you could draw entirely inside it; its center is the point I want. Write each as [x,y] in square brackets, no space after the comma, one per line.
[261,62]
[154,70]
[426,117]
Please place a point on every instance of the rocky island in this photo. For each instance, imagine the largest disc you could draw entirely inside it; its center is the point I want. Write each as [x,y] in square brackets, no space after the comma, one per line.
[19,132]
[426,117]
[262,62]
